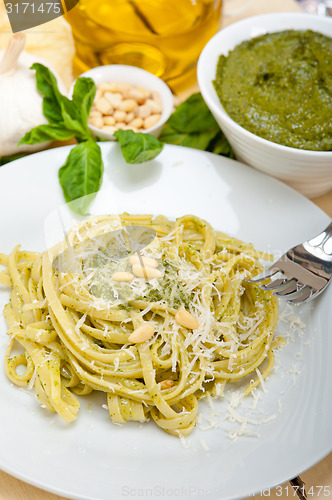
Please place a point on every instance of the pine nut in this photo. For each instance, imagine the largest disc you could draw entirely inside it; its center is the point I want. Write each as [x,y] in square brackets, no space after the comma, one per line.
[145,92]
[136,94]
[95,114]
[125,127]
[151,121]
[184,318]
[147,261]
[137,123]
[98,94]
[142,333]
[109,120]
[123,87]
[109,128]
[155,106]
[128,105]
[130,117]
[113,98]
[96,122]
[155,96]
[122,276]
[166,384]
[144,111]
[103,106]
[107,87]
[121,126]
[146,272]
[120,116]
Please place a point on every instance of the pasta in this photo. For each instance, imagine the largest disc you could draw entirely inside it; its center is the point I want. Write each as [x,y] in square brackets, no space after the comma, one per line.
[154,313]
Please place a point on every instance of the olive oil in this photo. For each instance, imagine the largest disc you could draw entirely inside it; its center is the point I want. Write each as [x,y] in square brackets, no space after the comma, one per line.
[164,37]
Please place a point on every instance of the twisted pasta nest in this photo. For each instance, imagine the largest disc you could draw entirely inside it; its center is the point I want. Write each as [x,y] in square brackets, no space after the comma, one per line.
[73,322]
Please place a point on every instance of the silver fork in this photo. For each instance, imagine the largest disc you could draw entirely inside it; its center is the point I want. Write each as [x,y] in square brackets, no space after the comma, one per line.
[305,270]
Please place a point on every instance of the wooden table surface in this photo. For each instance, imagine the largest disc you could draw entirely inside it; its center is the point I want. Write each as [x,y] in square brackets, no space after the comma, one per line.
[53,41]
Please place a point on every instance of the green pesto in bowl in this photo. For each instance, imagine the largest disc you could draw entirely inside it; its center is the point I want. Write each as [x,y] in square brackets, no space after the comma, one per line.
[279,87]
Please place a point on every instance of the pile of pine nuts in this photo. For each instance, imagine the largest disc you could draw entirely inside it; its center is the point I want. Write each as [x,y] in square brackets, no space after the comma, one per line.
[146,330]
[142,267]
[147,267]
[126,107]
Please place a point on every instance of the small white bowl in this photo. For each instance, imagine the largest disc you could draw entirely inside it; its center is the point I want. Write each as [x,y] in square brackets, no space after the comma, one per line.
[309,172]
[138,77]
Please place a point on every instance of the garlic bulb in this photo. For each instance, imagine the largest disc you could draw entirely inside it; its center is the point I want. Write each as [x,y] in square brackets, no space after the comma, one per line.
[21,105]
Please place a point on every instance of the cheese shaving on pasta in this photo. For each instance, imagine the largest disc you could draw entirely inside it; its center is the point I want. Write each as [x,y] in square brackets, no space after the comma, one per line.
[72,320]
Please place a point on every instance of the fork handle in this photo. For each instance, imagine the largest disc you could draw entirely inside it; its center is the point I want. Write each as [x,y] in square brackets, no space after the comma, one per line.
[328,230]
[322,240]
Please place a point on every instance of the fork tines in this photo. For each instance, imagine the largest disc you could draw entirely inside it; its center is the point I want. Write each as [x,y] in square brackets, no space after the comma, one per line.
[296,283]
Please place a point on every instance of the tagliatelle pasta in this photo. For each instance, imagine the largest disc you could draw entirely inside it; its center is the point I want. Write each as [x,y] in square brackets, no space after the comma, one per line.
[73,311]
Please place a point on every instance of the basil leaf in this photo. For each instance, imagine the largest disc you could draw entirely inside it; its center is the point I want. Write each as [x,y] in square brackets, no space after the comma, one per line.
[48,87]
[192,116]
[193,125]
[138,147]
[193,140]
[45,133]
[83,97]
[81,176]
[220,146]
[57,108]
[9,158]
[51,111]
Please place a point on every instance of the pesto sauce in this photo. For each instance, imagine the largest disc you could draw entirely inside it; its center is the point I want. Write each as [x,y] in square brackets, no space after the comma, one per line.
[279,87]
[170,290]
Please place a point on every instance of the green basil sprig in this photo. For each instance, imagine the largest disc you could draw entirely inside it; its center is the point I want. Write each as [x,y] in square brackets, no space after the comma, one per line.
[81,175]
[67,117]
[138,147]
[193,125]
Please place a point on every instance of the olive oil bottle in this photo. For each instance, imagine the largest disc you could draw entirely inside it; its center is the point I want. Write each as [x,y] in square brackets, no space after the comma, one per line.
[164,37]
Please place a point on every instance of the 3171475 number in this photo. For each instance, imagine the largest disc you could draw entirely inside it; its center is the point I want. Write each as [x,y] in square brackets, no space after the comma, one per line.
[33,8]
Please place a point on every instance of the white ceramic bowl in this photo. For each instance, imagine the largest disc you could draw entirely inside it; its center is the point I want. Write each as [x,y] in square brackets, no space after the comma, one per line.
[138,77]
[310,172]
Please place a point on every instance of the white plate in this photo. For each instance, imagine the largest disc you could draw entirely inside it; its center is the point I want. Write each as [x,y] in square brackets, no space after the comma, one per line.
[94,459]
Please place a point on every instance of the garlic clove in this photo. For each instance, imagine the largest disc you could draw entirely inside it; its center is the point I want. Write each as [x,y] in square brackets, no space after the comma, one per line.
[21,104]
[12,52]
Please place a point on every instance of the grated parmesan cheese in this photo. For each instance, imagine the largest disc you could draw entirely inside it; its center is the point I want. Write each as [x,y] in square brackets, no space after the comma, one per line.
[261,380]
[204,445]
